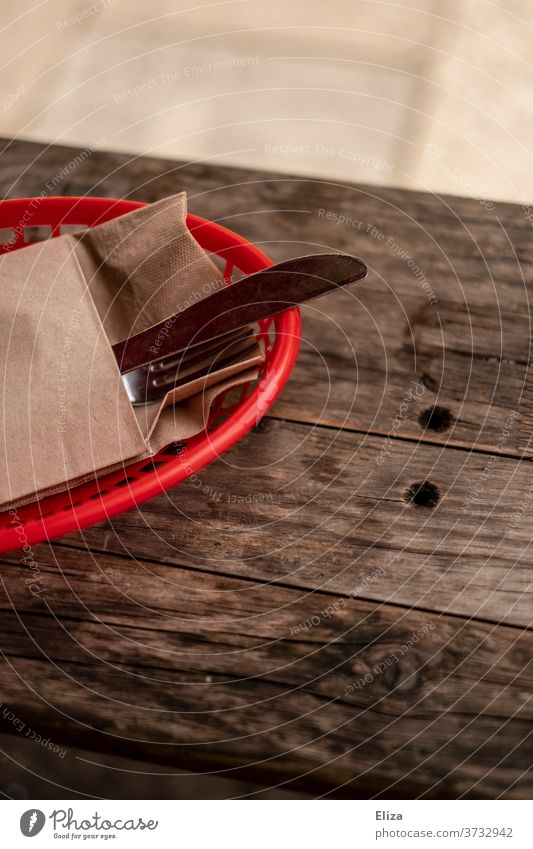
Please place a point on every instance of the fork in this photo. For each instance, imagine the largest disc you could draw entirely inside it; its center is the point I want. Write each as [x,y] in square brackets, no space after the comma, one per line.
[219,326]
[151,382]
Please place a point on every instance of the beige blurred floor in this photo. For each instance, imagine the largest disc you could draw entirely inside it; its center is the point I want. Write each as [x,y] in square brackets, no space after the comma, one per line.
[423,94]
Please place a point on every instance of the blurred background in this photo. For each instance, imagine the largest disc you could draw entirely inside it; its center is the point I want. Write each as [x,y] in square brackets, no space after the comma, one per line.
[423,94]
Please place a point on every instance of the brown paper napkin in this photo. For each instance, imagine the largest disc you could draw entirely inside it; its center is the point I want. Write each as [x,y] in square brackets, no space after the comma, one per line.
[65,413]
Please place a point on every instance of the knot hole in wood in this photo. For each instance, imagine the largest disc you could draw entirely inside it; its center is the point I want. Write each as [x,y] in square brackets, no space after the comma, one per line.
[422,494]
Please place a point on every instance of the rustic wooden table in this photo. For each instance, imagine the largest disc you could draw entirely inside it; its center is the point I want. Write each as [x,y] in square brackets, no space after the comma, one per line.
[317,618]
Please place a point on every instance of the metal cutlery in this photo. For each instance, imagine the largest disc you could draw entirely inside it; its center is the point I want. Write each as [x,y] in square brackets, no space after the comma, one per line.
[247,300]
[185,346]
[153,381]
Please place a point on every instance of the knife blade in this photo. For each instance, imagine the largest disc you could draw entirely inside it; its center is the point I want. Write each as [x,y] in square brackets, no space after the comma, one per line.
[250,299]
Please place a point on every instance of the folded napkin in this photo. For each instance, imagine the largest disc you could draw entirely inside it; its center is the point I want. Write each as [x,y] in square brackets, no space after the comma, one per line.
[65,412]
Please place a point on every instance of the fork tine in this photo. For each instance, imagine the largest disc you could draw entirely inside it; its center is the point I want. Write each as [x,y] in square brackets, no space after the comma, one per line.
[177,377]
[145,385]
[198,352]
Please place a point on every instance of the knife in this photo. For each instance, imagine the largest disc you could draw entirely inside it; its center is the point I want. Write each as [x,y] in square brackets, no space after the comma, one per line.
[250,299]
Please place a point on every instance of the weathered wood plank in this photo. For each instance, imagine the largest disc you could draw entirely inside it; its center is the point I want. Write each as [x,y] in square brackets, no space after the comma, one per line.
[471,349]
[199,670]
[367,355]
[321,509]
[189,644]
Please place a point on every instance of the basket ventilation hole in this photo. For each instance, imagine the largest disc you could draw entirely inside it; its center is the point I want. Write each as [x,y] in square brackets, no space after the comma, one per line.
[124,481]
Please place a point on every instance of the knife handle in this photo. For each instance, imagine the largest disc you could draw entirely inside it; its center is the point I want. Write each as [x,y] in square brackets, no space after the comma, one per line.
[247,300]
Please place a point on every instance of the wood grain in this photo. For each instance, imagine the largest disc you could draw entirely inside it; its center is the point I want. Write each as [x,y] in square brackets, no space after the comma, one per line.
[227,625]
[207,672]
[320,509]
[471,349]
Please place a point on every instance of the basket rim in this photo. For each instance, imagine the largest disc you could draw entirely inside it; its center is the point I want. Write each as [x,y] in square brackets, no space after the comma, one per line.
[202,449]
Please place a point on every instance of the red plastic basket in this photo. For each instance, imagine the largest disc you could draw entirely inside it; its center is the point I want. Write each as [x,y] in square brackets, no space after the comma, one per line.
[113,493]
